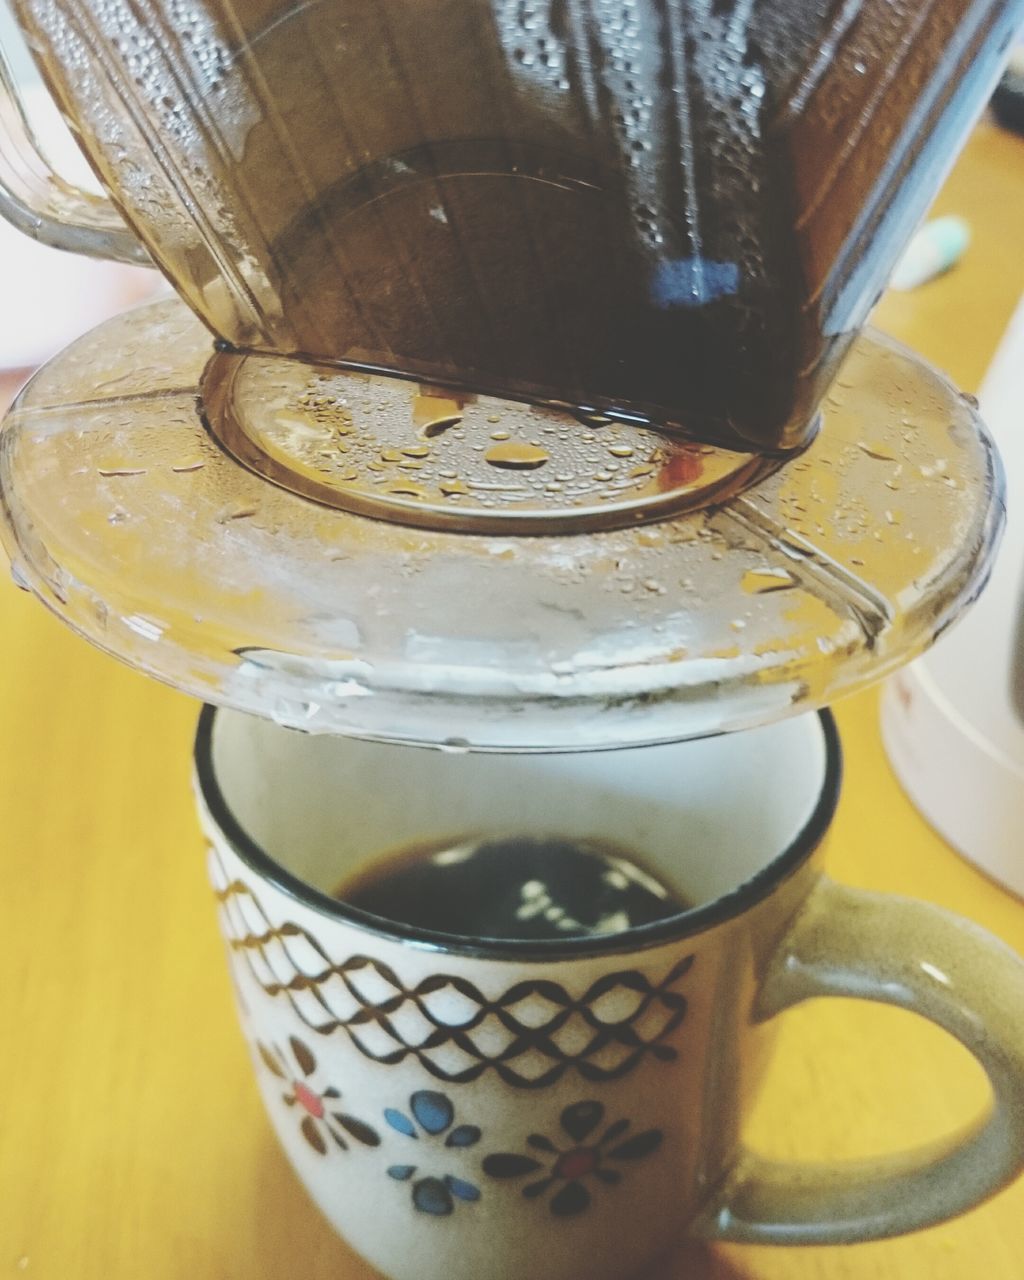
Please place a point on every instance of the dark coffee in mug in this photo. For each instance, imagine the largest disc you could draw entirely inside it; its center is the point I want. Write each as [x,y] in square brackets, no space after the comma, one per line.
[513,887]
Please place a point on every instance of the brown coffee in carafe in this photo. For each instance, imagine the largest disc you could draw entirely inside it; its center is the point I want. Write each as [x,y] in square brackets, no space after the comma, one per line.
[677,211]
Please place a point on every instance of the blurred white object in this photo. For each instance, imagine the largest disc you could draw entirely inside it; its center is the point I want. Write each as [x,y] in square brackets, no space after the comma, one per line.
[48,297]
[953,721]
[939,245]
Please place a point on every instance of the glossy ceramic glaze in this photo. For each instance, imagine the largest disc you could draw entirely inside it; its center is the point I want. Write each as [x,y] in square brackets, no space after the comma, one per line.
[461,1108]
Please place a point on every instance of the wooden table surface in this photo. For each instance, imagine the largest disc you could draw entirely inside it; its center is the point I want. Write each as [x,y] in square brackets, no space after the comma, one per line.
[132,1140]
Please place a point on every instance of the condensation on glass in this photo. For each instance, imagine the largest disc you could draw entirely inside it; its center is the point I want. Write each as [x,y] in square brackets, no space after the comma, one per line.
[676,211]
[807,584]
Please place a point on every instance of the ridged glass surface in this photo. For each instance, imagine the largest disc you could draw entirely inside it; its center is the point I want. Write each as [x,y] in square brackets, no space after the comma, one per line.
[674,210]
[140,531]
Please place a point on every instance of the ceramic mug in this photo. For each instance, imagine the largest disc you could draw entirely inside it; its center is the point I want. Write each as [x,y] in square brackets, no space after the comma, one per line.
[461,1108]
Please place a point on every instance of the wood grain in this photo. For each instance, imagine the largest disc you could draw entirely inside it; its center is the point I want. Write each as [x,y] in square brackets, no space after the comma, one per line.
[132,1141]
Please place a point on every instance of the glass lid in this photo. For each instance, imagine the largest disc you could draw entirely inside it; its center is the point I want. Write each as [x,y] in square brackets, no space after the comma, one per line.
[347,553]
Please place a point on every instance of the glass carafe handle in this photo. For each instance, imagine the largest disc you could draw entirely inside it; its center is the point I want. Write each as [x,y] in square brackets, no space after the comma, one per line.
[38,201]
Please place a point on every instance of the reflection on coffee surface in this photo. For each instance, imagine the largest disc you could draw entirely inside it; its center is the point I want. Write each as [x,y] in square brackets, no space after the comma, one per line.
[517,887]
[674,210]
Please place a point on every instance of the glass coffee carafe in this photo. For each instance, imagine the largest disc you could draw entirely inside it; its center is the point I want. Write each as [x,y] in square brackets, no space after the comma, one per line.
[670,212]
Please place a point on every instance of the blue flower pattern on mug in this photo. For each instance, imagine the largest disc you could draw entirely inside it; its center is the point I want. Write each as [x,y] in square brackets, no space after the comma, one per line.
[567,1168]
[433,1115]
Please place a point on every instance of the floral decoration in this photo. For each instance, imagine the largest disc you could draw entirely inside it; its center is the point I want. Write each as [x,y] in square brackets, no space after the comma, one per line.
[318,1106]
[433,1116]
[569,1171]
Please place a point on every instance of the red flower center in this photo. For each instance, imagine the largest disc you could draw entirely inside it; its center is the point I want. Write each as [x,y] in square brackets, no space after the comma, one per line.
[577,1163]
[310,1100]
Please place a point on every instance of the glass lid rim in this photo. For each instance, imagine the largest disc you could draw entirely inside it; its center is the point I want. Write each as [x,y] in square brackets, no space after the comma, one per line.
[524,645]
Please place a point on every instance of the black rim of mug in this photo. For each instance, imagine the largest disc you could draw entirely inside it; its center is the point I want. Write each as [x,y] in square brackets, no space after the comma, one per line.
[686,924]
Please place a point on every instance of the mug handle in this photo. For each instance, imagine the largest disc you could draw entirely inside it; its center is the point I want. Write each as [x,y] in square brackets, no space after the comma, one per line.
[38,201]
[869,946]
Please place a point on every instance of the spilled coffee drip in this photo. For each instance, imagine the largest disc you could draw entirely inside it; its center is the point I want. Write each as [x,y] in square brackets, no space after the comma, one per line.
[515,888]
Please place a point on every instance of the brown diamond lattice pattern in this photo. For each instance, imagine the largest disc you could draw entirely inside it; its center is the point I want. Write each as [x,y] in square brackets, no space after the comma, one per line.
[619,1020]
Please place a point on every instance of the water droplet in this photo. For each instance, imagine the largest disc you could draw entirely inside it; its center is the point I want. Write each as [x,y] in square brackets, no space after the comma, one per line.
[516,456]
[761,581]
[621,450]
[449,487]
[406,489]
[435,414]
[417,451]
[878,451]
[455,746]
